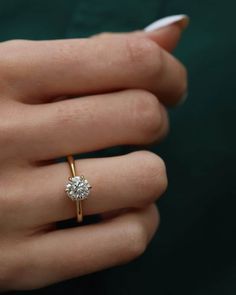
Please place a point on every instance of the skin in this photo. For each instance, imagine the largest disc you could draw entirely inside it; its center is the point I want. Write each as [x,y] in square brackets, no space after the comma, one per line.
[124,82]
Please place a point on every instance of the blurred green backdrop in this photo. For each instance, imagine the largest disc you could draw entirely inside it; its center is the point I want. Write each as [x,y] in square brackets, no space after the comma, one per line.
[193,252]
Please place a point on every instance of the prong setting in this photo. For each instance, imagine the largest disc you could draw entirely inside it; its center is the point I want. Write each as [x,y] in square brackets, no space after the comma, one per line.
[78,188]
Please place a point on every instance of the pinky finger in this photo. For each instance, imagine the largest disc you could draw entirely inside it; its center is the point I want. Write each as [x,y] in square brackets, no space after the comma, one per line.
[69,253]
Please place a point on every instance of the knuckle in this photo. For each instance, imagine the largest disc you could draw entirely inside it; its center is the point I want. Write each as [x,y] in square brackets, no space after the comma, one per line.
[157,63]
[140,51]
[153,178]
[146,115]
[68,117]
[136,238]
[62,118]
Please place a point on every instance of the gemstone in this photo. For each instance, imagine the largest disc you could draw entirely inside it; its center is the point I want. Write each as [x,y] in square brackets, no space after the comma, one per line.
[78,188]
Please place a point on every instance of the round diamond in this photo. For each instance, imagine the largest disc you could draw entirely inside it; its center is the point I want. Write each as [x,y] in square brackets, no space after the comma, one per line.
[78,188]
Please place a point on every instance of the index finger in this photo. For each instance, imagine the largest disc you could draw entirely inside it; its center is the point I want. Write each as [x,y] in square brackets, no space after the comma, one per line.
[47,69]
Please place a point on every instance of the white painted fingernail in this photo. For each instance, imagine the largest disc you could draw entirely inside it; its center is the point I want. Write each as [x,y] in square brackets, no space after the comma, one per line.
[182,19]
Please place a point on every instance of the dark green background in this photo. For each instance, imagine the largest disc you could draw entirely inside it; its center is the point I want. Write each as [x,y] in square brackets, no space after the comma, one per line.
[194,251]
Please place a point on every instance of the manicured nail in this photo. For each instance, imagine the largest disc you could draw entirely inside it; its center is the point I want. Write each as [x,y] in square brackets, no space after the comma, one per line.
[182,20]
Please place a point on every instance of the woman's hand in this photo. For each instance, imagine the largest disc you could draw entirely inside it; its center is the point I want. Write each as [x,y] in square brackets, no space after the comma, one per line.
[124,80]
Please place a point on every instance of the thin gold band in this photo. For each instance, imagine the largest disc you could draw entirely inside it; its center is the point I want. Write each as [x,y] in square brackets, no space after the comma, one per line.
[79,210]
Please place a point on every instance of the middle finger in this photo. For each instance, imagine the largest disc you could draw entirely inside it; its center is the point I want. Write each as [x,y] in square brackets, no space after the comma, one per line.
[92,123]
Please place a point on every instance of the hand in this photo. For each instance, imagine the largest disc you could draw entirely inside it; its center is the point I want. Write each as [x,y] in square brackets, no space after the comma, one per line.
[124,80]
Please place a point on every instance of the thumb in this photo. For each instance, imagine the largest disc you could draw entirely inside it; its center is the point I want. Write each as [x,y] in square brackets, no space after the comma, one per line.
[166,31]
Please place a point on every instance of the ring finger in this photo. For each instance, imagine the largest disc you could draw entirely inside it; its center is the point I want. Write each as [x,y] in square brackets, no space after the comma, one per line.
[129,181]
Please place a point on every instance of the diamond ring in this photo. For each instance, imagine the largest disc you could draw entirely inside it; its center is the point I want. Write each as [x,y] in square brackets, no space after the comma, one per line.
[77,188]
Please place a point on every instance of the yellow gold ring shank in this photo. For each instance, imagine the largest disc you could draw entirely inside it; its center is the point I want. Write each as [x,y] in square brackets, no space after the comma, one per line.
[77,188]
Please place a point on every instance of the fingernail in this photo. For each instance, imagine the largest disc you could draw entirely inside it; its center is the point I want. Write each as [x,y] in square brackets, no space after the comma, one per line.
[181,19]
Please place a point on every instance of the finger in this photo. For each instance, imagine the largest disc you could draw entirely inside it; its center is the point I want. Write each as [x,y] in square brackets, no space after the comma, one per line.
[74,252]
[45,70]
[167,37]
[132,180]
[166,31]
[92,123]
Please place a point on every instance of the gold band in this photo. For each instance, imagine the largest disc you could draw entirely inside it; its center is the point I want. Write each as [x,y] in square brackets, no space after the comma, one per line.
[79,210]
